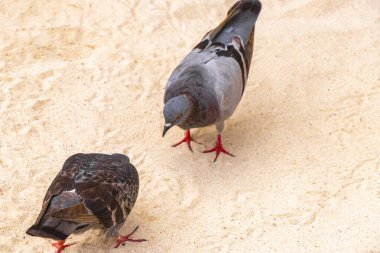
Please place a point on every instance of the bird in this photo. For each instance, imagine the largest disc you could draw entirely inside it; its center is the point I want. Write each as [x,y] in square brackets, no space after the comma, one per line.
[207,85]
[90,191]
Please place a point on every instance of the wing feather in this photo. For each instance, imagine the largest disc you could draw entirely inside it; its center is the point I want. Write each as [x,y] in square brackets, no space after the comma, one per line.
[77,213]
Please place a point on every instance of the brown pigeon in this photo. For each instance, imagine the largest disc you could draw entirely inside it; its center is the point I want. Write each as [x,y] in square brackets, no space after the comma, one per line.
[91,191]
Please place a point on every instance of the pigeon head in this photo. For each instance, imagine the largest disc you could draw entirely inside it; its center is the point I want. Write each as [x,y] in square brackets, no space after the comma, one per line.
[176,111]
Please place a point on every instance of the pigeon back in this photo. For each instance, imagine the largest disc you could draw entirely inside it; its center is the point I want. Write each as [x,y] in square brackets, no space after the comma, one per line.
[91,191]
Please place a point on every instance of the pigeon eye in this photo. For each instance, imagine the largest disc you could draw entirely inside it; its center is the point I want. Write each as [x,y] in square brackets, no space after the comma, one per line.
[179,116]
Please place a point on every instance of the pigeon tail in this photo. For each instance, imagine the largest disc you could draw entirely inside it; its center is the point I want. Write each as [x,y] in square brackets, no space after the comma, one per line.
[240,21]
[54,228]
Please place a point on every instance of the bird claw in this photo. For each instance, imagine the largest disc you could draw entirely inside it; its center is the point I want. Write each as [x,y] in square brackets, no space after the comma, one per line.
[218,149]
[123,239]
[188,139]
[61,246]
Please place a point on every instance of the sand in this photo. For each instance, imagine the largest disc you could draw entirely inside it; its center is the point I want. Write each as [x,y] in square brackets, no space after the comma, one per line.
[88,76]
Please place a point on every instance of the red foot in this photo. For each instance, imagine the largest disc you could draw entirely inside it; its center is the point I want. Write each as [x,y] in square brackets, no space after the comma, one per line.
[186,139]
[61,246]
[218,148]
[123,239]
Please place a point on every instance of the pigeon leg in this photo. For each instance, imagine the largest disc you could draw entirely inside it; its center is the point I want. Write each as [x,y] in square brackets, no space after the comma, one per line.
[218,148]
[61,246]
[123,239]
[188,139]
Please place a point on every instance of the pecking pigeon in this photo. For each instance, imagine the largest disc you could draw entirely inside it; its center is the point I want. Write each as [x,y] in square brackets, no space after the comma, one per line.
[208,84]
[91,191]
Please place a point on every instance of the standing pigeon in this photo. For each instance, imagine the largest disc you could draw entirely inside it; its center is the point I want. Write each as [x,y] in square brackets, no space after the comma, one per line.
[208,84]
[91,191]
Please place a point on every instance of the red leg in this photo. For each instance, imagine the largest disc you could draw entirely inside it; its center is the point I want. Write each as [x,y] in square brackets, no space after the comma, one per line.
[186,139]
[123,239]
[218,148]
[61,246]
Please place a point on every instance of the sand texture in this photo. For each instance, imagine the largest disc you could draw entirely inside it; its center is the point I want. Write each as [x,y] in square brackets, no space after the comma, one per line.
[89,76]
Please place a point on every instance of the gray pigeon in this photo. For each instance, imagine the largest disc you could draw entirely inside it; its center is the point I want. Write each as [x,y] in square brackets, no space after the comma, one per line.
[91,191]
[208,84]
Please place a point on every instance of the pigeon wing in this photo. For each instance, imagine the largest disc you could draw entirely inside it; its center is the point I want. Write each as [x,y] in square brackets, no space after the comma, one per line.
[64,181]
[108,186]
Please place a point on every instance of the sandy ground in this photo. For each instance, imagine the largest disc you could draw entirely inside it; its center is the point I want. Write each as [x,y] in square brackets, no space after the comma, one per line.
[88,76]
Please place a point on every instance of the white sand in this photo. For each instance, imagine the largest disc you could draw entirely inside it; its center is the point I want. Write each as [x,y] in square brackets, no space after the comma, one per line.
[88,76]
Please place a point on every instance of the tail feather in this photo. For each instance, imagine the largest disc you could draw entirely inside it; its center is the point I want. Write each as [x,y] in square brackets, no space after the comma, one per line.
[53,228]
[240,20]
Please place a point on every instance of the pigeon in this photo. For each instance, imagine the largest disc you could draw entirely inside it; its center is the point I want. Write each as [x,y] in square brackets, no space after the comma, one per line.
[208,84]
[91,191]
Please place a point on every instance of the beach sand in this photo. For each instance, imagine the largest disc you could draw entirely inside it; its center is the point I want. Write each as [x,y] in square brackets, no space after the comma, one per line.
[89,76]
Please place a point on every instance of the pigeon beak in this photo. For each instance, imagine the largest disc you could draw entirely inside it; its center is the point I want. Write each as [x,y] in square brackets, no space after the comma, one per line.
[167,126]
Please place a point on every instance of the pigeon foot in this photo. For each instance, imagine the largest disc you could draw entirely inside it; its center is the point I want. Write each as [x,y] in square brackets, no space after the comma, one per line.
[188,139]
[123,239]
[61,246]
[218,148]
